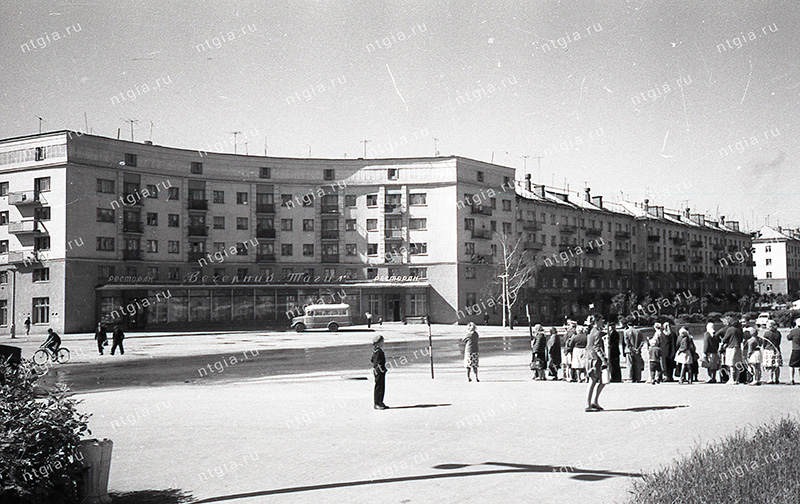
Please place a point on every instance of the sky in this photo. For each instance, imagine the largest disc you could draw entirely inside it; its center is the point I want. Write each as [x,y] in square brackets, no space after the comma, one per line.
[686,103]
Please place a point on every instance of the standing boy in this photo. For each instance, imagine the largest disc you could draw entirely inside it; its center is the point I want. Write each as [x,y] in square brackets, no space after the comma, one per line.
[596,360]
[379,370]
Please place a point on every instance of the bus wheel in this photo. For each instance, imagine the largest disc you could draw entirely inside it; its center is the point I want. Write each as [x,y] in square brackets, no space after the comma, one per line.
[333,326]
[299,327]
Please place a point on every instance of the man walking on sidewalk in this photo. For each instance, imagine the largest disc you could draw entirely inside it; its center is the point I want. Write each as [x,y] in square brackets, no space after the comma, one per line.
[116,340]
[101,337]
[379,370]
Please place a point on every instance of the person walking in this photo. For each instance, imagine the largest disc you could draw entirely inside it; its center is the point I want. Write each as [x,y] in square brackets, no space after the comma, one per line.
[614,368]
[596,360]
[553,353]
[471,350]
[538,353]
[116,340]
[732,342]
[368,316]
[27,326]
[379,372]
[753,349]
[101,336]
[711,360]
[794,337]
[634,341]
[771,352]
[685,355]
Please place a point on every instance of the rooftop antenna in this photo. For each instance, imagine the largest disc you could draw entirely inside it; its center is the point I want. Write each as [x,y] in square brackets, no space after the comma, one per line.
[132,122]
[151,131]
[86,122]
[235,137]
[40,123]
[539,167]
[118,130]
[245,149]
[492,157]
[365,142]
[265,146]
[436,147]
[309,150]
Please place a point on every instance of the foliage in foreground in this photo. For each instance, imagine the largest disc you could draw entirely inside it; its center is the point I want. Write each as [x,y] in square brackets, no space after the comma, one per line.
[39,439]
[761,469]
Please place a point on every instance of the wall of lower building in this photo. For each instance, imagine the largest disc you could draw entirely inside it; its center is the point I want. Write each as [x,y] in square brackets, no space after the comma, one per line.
[26,290]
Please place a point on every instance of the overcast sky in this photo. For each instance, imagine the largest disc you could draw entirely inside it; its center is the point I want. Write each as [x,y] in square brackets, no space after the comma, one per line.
[689,102]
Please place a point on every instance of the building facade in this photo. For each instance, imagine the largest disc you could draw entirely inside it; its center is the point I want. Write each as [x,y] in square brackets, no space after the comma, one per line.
[93,228]
[776,254]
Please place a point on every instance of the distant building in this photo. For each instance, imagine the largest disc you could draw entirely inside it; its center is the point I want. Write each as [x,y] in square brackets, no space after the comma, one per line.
[776,253]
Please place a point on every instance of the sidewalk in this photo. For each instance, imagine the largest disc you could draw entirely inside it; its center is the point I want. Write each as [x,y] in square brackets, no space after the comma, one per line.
[317,439]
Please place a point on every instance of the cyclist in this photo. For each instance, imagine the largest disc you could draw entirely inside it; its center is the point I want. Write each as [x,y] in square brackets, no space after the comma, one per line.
[53,342]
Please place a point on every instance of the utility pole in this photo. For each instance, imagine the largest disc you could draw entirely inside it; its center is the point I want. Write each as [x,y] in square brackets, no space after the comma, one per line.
[365,142]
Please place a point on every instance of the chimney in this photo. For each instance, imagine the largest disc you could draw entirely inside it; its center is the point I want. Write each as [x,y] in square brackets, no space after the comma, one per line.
[722,220]
[597,201]
[528,182]
[588,195]
[647,205]
[687,213]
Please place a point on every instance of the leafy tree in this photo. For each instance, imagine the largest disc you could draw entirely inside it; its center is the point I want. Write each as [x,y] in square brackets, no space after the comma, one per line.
[517,268]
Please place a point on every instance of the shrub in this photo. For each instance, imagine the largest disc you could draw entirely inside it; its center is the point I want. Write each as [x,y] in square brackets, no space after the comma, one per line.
[667,318]
[740,468]
[39,439]
[714,317]
[785,318]
[691,318]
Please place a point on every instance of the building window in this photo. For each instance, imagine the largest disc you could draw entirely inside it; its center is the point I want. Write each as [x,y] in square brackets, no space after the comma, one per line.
[241,198]
[479,176]
[419,249]
[421,273]
[308,250]
[173,273]
[152,272]
[308,224]
[196,168]
[351,249]
[218,197]
[507,205]
[469,248]
[769,274]
[39,154]
[152,219]
[173,247]
[471,299]
[768,248]
[350,200]
[372,224]
[173,193]
[418,224]
[105,272]
[105,244]
[507,228]
[391,173]
[3,277]
[3,188]
[130,159]
[769,262]
[349,224]
[470,272]
[265,172]
[174,220]
[329,174]
[241,249]
[287,225]
[41,275]
[417,199]
[4,218]
[286,249]
[3,312]
[372,249]
[493,203]
[219,222]
[104,186]
[371,274]
[241,223]
[152,191]
[372,200]
[469,224]
[152,246]
[418,304]
[286,200]
[351,274]
[103,215]
[3,246]
[308,200]
[41,310]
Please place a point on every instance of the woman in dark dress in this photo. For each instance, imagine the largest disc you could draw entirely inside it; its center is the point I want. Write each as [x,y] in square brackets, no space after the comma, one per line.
[711,358]
[538,353]
[614,369]
[554,353]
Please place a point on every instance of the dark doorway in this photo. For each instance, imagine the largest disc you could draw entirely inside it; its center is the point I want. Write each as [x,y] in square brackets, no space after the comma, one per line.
[394,307]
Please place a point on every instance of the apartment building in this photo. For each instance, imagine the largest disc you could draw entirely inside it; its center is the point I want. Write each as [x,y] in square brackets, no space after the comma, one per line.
[776,257]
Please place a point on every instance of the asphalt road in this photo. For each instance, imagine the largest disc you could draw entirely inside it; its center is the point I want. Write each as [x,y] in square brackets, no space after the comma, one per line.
[252,364]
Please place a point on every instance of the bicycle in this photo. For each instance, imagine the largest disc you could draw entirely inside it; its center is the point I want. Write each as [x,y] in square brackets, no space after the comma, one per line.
[44,354]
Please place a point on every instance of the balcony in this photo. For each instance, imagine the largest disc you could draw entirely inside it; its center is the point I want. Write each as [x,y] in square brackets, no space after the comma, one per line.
[697,259]
[330,234]
[131,255]
[198,204]
[330,209]
[622,235]
[532,245]
[480,210]
[718,246]
[481,259]
[265,232]
[27,257]
[196,256]
[393,257]
[530,226]
[565,247]
[25,227]
[330,258]
[697,275]
[25,198]
[265,258]
[621,253]
[198,230]
[269,208]
[566,229]
[653,256]
[393,234]
[593,251]
[594,232]
[392,209]
[484,234]
[134,196]
[132,227]
[696,244]
[653,238]
[732,248]
[679,257]
[677,240]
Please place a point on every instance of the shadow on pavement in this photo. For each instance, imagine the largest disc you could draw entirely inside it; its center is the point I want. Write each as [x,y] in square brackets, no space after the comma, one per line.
[420,406]
[641,409]
[168,496]
[504,468]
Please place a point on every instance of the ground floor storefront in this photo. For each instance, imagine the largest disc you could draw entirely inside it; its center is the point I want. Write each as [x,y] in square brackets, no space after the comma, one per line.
[173,306]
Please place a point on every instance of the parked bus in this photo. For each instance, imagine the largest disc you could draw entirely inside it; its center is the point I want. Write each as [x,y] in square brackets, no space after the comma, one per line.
[317,316]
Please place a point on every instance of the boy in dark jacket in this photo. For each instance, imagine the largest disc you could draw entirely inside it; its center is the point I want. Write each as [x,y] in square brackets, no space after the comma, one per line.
[379,370]
[116,340]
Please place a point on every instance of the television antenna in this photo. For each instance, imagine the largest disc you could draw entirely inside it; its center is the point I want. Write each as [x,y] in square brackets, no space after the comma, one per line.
[235,137]
[132,122]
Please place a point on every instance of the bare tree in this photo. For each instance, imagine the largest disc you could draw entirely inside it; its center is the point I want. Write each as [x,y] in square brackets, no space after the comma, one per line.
[515,269]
